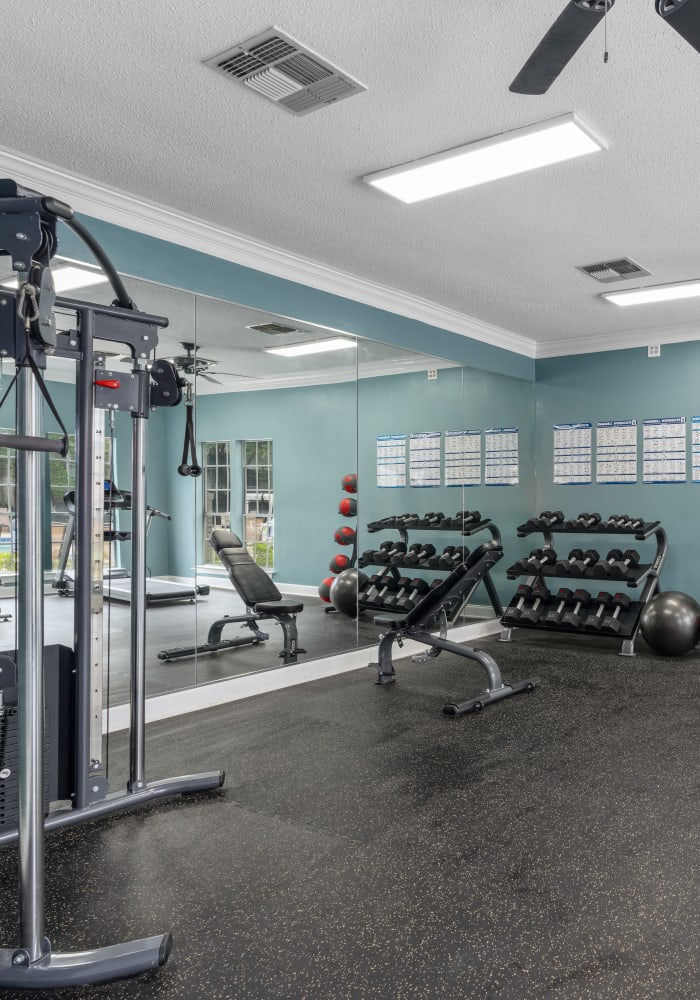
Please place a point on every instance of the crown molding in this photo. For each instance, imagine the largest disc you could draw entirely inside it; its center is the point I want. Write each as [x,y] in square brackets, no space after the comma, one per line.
[126,210]
[622,341]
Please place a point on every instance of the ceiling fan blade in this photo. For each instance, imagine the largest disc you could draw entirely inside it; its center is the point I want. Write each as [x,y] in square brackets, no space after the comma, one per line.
[684,16]
[209,378]
[559,45]
[256,378]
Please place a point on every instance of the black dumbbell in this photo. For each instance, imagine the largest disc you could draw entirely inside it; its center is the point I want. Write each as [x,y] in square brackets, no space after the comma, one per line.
[458,556]
[620,569]
[535,561]
[433,519]
[595,621]
[373,586]
[612,622]
[536,609]
[423,554]
[403,586]
[601,570]
[574,618]
[563,566]
[585,521]
[581,566]
[550,518]
[631,524]
[386,555]
[522,594]
[554,616]
[614,522]
[412,550]
[445,560]
[389,586]
[418,589]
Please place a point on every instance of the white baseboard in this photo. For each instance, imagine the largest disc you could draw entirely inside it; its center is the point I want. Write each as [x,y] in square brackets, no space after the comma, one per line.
[167,706]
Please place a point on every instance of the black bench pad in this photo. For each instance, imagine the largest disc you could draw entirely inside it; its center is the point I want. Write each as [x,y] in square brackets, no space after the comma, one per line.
[286,606]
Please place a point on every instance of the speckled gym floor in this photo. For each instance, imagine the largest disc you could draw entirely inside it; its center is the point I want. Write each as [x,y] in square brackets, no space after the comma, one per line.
[366,846]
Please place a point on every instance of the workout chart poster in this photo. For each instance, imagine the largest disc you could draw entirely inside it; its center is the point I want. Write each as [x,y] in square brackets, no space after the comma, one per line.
[664,454]
[616,451]
[424,458]
[573,453]
[463,458]
[391,460]
[695,450]
[501,456]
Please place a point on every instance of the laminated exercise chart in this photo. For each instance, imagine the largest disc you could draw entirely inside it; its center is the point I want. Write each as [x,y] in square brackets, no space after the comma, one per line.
[573,453]
[616,451]
[424,458]
[501,456]
[391,460]
[664,454]
[463,458]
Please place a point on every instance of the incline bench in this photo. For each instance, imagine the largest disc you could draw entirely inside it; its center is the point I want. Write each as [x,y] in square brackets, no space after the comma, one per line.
[261,597]
[439,606]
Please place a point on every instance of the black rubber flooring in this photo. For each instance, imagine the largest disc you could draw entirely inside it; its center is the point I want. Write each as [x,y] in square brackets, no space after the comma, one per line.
[366,846]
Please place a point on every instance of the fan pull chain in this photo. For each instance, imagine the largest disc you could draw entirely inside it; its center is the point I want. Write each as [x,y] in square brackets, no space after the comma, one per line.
[605,26]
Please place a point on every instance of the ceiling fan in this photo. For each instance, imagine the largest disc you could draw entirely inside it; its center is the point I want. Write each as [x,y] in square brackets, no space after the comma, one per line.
[574,25]
[191,363]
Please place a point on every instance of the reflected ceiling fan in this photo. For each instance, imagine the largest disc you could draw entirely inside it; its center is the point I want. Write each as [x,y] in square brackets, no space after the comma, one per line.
[574,25]
[191,363]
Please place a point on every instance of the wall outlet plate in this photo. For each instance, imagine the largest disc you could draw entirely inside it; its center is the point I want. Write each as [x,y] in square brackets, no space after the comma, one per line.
[432,374]
[654,351]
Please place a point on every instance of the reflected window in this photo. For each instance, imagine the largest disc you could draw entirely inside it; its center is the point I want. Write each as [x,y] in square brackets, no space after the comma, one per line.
[216,476]
[258,502]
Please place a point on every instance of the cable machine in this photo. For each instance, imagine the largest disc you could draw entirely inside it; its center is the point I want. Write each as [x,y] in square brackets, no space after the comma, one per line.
[28,334]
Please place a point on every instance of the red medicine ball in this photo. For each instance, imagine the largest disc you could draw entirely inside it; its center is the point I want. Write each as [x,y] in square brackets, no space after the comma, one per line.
[345,535]
[349,483]
[338,564]
[324,590]
[348,507]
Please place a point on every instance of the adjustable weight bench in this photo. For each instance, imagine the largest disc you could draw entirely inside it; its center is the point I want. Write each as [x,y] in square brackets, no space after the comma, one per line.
[261,597]
[439,607]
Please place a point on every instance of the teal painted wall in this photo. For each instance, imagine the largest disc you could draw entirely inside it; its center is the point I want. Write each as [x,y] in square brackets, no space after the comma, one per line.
[618,385]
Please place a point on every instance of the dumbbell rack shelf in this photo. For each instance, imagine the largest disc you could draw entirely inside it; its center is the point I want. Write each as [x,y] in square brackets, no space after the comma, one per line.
[646,576]
[392,568]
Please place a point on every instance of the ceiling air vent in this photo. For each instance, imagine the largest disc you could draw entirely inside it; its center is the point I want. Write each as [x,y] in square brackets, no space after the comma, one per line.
[275,328]
[614,270]
[284,71]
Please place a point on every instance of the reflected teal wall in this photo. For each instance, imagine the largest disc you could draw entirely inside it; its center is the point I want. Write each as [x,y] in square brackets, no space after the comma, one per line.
[618,385]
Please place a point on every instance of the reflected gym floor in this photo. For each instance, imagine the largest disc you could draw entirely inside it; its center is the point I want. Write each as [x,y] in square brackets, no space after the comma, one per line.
[366,847]
[170,625]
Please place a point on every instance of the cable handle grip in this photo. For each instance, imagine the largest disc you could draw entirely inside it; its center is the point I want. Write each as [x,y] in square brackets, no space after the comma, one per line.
[24,442]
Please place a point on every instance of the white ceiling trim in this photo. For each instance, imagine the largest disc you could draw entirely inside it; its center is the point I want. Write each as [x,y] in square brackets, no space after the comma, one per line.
[620,341]
[122,209]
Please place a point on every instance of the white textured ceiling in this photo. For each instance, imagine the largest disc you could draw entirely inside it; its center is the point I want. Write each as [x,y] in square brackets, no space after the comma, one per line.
[119,94]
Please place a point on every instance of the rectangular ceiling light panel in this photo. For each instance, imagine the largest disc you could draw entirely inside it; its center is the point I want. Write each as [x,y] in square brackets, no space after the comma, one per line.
[311,347]
[281,69]
[488,159]
[654,293]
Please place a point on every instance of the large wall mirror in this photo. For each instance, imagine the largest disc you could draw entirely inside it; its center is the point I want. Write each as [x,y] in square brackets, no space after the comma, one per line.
[276,433]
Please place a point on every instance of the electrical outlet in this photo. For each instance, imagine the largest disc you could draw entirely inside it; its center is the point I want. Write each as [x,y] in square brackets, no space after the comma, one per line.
[654,350]
[432,374]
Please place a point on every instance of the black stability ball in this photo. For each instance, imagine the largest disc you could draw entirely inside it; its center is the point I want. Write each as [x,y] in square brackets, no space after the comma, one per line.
[344,591]
[670,623]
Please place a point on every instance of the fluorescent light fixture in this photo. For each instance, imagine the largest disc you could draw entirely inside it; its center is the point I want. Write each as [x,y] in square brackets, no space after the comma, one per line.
[503,155]
[311,347]
[67,277]
[654,293]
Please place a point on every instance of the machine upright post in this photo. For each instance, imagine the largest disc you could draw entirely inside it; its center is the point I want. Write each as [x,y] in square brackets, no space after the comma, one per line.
[30,661]
[84,501]
[137,775]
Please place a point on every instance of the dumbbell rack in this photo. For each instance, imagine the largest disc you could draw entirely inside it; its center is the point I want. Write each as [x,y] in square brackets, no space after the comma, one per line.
[393,567]
[645,576]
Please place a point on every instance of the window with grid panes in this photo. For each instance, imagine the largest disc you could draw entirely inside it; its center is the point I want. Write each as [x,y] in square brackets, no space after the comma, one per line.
[216,476]
[258,502]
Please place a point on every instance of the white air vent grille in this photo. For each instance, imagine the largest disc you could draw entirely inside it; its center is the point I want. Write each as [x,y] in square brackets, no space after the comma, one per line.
[278,67]
[275,328]
[614,270]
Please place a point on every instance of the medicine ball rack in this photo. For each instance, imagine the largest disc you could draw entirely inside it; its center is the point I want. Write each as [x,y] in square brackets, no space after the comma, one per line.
[388,579]
[644,575]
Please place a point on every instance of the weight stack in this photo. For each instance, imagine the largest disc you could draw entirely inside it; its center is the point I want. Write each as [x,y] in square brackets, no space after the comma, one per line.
[59,732]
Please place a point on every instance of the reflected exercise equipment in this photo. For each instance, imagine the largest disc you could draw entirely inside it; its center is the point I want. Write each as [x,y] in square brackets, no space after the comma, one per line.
[262,600]
[28,334]
[117,587]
